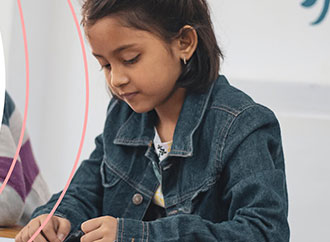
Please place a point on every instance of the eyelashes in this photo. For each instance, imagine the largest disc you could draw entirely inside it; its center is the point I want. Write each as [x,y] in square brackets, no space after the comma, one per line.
[132,61]
[127,62]
[105,67]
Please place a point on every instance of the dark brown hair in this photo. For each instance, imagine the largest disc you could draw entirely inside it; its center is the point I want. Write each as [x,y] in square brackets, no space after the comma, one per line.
[165,18]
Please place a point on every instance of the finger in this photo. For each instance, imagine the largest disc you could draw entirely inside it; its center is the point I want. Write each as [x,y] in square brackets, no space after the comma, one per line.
[25,234]
[64,227]
[22,236]
[91,225]
[40,238]
[92,236]
[33,227]
[18,237]
[49,231]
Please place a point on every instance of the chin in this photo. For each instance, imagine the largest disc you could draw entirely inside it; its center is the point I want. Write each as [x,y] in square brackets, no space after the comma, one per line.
[140,109]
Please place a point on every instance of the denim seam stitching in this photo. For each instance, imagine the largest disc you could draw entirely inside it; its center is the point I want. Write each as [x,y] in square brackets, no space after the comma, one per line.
[118,229]
[122,229]
[184,153]
[224,109]
[102,171]
[136,186]
[221,141]
[229,110]
[203,110]
[208,183]
[131,140]
[147,232]
[204,105]
[228,129]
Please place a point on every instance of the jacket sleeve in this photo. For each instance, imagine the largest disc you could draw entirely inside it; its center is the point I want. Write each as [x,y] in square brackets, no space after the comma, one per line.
[83,199]
[254,192]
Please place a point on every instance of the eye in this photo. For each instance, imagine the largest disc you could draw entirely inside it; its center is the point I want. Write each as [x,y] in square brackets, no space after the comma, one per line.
[107,66]
[132,61]
[129,62]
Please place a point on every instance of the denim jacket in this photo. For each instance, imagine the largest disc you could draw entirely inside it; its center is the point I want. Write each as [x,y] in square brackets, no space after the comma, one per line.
[223,180]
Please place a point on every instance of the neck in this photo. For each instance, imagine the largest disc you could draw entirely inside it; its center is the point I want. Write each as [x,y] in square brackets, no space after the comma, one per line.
[168,114]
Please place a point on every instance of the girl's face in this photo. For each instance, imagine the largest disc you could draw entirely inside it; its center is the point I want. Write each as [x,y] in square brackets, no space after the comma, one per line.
[139,67]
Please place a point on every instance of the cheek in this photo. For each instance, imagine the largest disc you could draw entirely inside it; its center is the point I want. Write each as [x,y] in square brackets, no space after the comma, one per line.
[163,67]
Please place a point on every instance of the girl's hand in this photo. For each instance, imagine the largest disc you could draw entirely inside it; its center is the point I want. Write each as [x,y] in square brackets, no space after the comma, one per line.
[55,230]
[100,229]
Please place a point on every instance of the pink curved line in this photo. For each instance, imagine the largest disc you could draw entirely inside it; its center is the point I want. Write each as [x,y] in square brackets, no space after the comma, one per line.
[84,128]
[26,101]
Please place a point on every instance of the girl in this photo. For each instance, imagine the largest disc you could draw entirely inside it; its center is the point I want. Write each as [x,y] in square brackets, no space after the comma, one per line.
[184,156]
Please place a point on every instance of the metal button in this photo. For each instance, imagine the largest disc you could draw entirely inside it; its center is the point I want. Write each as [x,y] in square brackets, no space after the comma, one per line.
[137,199]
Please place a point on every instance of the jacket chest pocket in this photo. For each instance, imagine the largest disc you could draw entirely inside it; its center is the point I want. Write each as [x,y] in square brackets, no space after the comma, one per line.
[109,179]
[201,202]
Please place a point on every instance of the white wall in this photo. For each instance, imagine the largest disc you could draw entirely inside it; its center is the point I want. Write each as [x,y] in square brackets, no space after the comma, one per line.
[2,77]
[273,41]
[57,85]
[5,24]
[272,52]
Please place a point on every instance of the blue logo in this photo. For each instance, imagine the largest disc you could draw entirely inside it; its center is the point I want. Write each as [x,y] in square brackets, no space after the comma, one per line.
[310,3]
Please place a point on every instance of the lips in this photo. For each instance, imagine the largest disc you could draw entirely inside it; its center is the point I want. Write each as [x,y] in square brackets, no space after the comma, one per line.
[128,96]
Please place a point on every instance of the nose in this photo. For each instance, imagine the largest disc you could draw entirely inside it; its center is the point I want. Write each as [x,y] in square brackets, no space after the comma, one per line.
[118,78]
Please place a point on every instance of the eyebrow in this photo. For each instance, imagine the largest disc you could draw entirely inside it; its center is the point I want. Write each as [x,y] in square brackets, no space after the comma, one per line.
[118,50]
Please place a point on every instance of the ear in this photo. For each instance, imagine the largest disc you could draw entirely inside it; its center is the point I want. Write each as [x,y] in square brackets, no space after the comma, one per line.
[186,42]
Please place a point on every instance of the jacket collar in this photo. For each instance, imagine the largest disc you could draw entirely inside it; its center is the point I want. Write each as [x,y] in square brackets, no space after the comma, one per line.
[138,130]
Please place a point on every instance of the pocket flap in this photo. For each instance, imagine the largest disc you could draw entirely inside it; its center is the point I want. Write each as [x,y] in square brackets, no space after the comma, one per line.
[109,179]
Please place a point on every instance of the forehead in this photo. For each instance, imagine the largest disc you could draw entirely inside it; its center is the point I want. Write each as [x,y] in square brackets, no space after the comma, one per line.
[109,31]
